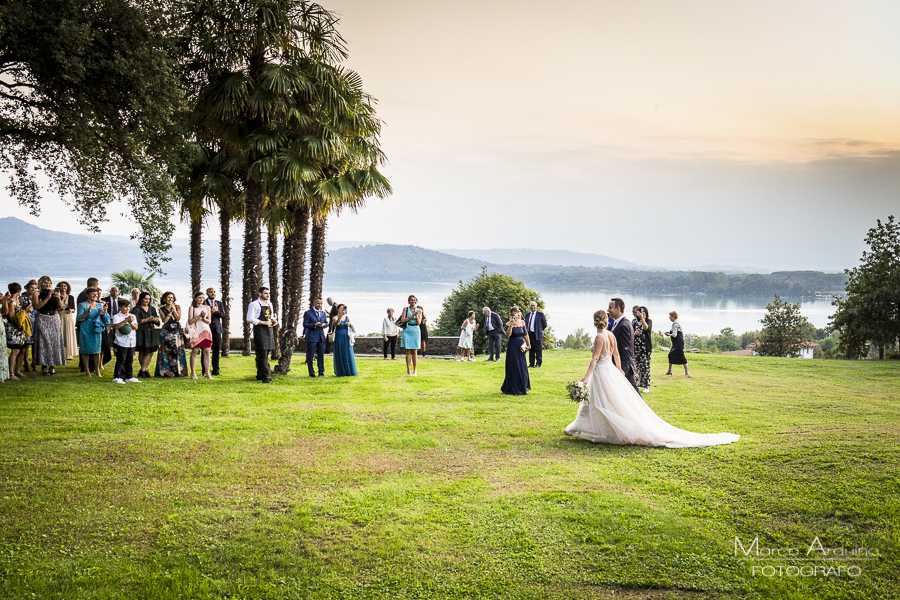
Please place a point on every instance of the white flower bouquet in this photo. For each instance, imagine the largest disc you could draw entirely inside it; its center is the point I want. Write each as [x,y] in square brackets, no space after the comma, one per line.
[578,391]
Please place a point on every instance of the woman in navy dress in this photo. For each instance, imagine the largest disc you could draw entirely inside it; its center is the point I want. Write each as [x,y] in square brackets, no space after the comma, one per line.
[516,382]
[344,361]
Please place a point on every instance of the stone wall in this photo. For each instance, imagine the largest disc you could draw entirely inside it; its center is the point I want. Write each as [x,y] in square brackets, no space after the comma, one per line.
[439,345]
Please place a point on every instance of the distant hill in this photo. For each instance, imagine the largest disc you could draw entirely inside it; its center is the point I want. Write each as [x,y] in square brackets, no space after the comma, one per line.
[534,256]
[35,251]
[389,262]
[386,262]
[31,251]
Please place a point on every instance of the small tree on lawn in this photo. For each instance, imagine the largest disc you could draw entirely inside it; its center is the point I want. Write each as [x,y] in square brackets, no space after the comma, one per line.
[494,290]
[784,330]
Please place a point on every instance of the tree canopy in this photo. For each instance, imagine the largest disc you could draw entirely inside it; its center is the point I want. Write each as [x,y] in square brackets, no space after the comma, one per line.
[89,96]
[493,290]
[870,311]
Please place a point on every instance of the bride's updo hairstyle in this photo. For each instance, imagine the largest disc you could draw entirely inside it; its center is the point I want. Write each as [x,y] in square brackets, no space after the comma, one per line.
[600,320]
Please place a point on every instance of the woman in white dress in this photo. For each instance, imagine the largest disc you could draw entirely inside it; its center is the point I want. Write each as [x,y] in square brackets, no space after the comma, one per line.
[616,414]
[467,337]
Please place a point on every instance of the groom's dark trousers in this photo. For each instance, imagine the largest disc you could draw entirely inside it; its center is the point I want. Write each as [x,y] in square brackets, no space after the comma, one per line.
[625,342]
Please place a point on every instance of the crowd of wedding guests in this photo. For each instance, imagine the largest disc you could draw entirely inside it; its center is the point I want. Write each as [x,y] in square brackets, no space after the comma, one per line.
[45,326]
[42,325]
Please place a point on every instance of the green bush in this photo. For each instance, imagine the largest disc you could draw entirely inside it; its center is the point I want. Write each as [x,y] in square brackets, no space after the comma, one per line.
[578,340]
[495,290]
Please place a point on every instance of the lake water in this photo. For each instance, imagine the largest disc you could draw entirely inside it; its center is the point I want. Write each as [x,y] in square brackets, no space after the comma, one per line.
[566,311]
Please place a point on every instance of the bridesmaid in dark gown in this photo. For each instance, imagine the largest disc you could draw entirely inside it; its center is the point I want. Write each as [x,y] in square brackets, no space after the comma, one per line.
[516,382]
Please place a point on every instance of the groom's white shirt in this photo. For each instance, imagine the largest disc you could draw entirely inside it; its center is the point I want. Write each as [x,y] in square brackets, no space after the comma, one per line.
[616,322]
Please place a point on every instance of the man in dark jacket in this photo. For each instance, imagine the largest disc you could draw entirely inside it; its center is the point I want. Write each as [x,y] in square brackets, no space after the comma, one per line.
[624,339]
[215,325]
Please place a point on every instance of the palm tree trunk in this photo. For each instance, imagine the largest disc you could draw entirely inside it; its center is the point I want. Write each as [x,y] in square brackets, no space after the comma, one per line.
[196,254]
[317,257]
[225,275]
[252,251]
[293,271]
[272,243]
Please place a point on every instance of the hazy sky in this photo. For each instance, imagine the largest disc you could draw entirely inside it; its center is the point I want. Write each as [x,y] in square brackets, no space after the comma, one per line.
[767,132]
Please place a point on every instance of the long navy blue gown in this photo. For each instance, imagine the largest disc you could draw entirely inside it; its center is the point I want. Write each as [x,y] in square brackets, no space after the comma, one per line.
[344,360]
[516,382]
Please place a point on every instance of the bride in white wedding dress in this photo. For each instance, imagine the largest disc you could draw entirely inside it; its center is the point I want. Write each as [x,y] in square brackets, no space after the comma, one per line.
[616,414]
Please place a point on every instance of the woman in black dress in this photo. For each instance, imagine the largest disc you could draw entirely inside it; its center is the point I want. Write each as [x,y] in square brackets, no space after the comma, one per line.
[147,334]
[643,345]
[423,329]
[516,382]
[676,354]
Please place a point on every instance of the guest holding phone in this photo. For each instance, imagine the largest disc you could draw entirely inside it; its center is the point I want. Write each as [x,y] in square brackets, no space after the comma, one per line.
[171,360]
[48,335]
[410,339]
[93,319]
[67,319]
[147,335]
[344,360]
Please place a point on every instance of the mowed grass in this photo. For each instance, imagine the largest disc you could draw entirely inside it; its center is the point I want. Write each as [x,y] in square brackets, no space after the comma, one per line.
[384,486]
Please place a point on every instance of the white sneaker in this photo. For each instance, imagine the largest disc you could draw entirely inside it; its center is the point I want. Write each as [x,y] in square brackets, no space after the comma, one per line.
[122,381]
[134,380]
[646,390]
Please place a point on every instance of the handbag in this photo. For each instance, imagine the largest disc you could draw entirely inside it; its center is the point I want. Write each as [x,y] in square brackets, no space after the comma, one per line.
[331,336]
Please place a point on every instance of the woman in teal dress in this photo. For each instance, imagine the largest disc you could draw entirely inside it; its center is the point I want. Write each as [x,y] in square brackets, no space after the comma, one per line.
[92,319]
[411,338]
[344,360]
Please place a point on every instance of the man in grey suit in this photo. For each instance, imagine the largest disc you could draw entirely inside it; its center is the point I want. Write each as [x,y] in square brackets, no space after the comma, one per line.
[624,339]
[493,326]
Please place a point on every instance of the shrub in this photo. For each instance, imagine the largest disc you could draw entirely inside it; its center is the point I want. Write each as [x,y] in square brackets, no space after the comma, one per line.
[495,290]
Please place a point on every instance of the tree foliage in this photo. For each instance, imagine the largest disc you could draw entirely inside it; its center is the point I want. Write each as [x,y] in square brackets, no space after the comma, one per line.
[493,290]
[129,279]
[88,96]
[784,330]
[870,311]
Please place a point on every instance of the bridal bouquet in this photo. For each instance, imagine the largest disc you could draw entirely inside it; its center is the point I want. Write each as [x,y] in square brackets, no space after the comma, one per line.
[577,391]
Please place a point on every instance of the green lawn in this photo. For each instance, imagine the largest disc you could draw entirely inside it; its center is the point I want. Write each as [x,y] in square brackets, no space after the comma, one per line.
[384,486]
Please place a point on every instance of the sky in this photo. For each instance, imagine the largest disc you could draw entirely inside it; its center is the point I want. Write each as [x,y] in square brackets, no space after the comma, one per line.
[662,132]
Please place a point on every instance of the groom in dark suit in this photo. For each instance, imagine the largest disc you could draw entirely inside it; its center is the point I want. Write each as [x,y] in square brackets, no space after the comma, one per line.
[624,339]
[315,324]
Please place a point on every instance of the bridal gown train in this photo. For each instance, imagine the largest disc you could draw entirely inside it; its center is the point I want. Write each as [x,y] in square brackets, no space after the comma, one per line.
[616,414]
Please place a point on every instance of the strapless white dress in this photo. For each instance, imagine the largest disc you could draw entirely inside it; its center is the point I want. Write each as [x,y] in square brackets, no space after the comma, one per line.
[616,414]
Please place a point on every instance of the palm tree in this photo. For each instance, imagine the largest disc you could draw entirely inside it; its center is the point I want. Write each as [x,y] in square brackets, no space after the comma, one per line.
[252,67]
[294,263]
[277,218]
[127,280]
[231,207]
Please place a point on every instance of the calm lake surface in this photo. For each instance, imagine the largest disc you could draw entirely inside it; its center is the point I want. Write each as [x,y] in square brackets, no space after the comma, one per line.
[566,311]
